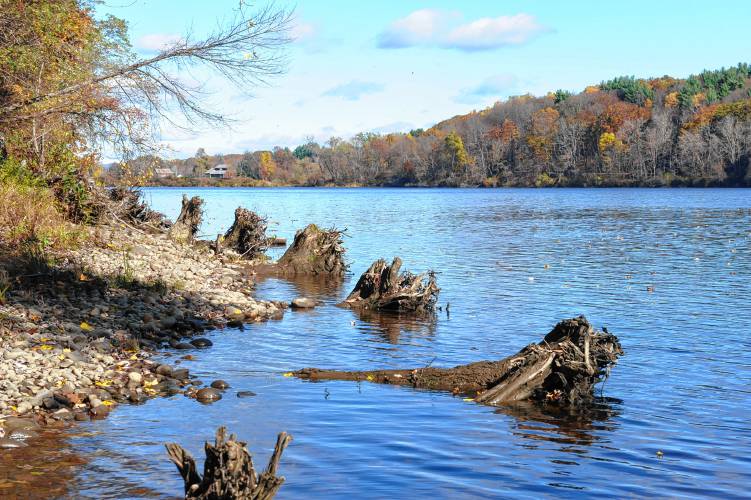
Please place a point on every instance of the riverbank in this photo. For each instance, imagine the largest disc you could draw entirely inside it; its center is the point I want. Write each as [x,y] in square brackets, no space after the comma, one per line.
[79,332]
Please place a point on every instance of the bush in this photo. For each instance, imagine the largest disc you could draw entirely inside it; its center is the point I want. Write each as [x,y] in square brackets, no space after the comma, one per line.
[29,211]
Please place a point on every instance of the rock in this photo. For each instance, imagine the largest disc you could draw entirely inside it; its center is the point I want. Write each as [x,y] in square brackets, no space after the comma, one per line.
[164,370]
[23,407]
[245,394]
[201,342]
[63,414]
[219,384]
[183,346]
[100,411]
[180,373]
[208,395]
[135,378]
[50,404]
[11,443]
[303,303]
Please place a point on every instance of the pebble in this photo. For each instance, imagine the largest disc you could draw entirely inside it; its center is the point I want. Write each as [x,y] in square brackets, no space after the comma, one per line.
[245,394]
[201,342]
[208,395]
[303,303]
[219,384]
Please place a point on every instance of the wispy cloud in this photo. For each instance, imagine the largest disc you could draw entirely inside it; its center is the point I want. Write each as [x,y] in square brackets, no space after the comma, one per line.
[492,86]
[353,90]
[438,28]
[157,41]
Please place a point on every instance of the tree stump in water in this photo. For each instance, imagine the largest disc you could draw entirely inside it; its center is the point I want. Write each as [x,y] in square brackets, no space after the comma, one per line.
[561,369]
[247,235]
[228,471]
[381,287]
[185,227]
[314,251]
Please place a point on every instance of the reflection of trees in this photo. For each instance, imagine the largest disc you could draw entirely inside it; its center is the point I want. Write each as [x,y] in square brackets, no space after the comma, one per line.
[577,426]
[391,325]
[317,287]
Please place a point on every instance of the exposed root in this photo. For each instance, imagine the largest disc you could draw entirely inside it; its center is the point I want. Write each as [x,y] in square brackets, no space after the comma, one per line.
[228,472]
[562,369]
[314,251]
[247,235]
[186,226]
[381,287]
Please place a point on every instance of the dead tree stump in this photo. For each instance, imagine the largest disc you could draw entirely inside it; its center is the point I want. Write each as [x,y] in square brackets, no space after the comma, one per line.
[382,288]
[228,472]
[562,369]
[314,251]
[247,235]
[185,228]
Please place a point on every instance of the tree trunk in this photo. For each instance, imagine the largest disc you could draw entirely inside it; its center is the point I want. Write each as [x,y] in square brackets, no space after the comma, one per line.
[561,369]
[314,252]
[228,471]
[381,287]
[247,236]
[185,227]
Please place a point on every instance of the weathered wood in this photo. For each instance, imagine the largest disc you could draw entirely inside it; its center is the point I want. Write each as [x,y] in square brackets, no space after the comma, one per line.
[186,226]
[381,287]
[562,369]
[314,251]
[247,235]
[228,472]
[127,204]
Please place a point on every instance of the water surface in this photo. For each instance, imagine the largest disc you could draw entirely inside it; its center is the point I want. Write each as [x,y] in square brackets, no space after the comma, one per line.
[511,263]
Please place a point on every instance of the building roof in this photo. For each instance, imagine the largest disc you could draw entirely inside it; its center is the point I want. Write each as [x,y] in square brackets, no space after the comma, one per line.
[218,169]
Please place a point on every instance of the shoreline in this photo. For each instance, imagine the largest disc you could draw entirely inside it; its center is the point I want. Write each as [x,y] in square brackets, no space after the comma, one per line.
[78,337]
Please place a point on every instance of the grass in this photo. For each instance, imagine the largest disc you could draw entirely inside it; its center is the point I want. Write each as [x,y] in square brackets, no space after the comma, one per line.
[29,212]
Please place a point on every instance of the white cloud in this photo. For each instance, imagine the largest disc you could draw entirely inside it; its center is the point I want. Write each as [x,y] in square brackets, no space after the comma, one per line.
[492,33]
[431,27]
[352,91]
[157,41]
[419,27]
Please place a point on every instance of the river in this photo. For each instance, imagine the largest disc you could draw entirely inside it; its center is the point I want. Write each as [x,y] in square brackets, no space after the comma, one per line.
[667,270]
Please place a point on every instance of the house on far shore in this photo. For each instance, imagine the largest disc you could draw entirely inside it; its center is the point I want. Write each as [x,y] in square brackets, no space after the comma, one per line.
[217,172]
[163,173]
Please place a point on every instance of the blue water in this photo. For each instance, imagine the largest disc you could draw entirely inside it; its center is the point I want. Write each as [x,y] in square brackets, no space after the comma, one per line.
[511,263]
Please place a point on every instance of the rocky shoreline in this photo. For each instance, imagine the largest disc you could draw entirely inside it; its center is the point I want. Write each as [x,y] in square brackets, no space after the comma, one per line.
[77,339]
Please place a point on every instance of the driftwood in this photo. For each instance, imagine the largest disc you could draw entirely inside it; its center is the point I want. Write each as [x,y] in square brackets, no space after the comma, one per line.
[185,227]
[228,472]
[562,369]
[381,287]
[127,204]
[247,235]
[314,251]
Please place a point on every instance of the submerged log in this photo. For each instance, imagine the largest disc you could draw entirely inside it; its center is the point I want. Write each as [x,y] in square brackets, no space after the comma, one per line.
[382,288]
[185,227]
[247,235]
[562,369]
[228,472]
[314,251]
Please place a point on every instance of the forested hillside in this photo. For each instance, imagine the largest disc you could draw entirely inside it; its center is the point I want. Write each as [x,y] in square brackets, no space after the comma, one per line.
[626,131]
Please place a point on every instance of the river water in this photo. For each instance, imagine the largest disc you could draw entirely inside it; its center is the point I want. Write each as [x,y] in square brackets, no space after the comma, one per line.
[511,263]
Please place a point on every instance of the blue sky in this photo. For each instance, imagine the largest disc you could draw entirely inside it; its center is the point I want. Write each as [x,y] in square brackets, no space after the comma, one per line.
[395,65]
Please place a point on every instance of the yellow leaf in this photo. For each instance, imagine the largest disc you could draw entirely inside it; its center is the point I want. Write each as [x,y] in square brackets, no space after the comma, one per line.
[66,350]
[370,377]
[44,339]
[61,357]
[103,383]
[468,399]
[86,327]
[289,374]
[108,402]
[83,277]
[133,357]
[46,347]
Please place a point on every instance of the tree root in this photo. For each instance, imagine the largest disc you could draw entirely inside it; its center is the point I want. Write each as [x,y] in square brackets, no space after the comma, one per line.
[382,288]
[186,226]
[314,251]
[228,472]
[562,369]
[247,235]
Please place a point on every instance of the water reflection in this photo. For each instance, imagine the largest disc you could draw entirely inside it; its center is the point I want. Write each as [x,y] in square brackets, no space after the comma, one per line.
[390,326]
[571,426]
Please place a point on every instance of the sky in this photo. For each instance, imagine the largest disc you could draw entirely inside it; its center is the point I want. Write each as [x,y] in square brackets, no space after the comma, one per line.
[394,65]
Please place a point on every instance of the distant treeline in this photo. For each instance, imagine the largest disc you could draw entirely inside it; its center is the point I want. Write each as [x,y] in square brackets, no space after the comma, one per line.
[623,132]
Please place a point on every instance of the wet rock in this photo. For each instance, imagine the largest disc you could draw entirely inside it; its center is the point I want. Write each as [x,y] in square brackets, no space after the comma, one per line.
[219,384]
[245,394]
[164,370]
[11,443]
[100,411]
[183,346]
[135,378]
[303,303]
[63,414]
[201,342]
[180,373]
[208,395]
[50,404]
